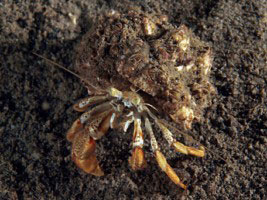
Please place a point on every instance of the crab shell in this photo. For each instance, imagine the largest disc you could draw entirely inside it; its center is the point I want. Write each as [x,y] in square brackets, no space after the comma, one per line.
[145,52]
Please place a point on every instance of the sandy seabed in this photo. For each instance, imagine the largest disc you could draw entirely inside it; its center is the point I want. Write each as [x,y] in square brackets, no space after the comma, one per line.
[36,100]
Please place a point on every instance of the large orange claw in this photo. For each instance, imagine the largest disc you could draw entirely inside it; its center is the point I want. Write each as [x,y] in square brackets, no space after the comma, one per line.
[75,128]
[86,160]
[90,165]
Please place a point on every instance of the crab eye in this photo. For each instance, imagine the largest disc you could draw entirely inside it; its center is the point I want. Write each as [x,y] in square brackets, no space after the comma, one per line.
[136,101]
[115,93]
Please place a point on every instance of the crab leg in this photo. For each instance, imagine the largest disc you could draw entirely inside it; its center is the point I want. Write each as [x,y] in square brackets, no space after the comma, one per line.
[95,112]
[161,160]
[78,124]
[137,160]
[126,121]
[179,147]
[83,104]
[113,120]
[98,127]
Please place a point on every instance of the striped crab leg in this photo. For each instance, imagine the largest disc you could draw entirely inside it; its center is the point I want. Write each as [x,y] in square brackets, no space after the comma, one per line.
[79,124]
[137,160]
[179,147]
[83,104]
[160,158]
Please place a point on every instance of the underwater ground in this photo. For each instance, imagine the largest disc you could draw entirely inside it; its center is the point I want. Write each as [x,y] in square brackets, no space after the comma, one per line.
[36,105]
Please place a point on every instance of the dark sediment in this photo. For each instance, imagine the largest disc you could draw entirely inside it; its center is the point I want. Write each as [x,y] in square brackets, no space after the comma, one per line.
[36,100]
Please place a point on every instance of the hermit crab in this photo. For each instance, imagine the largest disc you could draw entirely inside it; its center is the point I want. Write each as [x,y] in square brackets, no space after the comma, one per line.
[119,109]
[134,66]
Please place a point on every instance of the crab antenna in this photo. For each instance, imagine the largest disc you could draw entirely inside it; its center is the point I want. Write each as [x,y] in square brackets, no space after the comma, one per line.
[58,65]
[64,68]
[149,105]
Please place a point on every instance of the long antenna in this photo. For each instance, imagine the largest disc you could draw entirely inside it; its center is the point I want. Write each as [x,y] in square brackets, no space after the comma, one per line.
[65,69]
[58,65]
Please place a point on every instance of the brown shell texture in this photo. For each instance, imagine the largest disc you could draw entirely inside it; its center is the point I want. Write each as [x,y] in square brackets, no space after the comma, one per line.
[147,53]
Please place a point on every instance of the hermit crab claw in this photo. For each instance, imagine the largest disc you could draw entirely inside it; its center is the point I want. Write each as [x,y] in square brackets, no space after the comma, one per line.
[92,125]
[85,158]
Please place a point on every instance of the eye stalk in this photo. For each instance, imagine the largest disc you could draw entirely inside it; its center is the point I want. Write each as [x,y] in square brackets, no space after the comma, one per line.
[115,93]
[131,98]
[136,100]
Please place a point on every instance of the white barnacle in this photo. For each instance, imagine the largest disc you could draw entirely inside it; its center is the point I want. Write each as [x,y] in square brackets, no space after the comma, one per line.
[179,68]
[73,18]
[182,38]
[189,66]
[206,62]
[184,44]
[185,113]
[149,26]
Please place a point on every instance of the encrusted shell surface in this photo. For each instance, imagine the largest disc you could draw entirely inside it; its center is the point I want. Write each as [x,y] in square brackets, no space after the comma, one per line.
[146,52]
